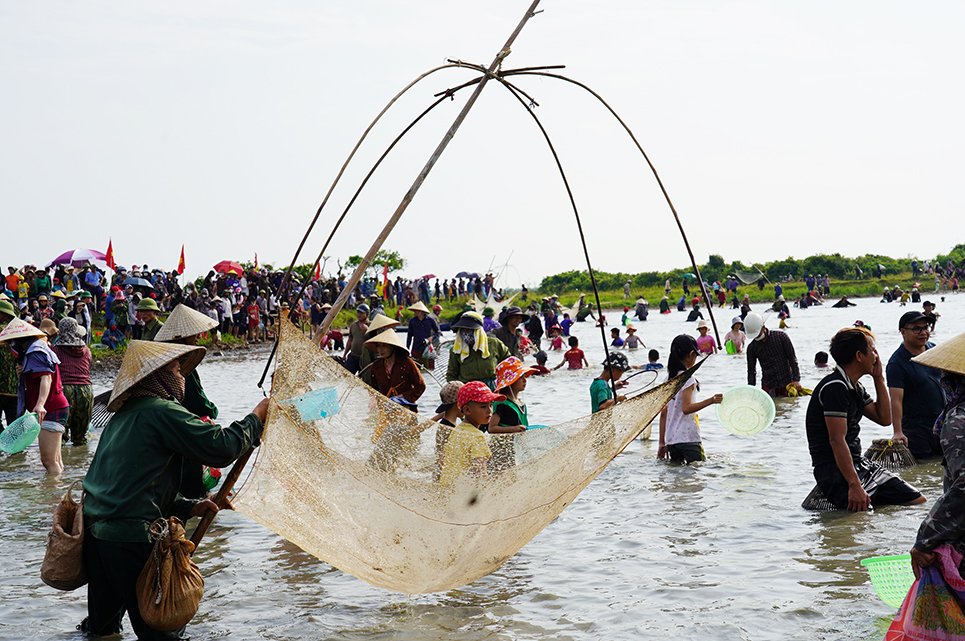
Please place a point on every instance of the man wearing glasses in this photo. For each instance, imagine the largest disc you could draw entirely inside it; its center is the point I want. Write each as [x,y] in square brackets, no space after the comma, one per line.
[916,393]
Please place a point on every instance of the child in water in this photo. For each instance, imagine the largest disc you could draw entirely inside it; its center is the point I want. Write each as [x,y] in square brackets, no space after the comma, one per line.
[574,356]
[625,319]
[736,335]
[679,430]
[654,357]
[509,415]
[541,364]
[632,341]
[601,394]
[556,338]
[705,343]
[466,451]
[821,360]
[615,335]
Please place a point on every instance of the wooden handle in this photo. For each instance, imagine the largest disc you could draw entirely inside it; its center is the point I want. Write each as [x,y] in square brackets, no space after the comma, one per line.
[221,498]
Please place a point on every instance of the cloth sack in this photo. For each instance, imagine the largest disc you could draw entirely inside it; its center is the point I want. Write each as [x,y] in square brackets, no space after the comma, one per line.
[169,587]
[63,566]
[933,608]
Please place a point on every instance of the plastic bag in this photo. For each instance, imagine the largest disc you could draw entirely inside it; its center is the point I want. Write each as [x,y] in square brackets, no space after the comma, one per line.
[63,566]
[170,586]
[933,607]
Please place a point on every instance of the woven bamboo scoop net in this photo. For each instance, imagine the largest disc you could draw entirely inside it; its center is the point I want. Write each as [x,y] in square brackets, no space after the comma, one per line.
[349,476]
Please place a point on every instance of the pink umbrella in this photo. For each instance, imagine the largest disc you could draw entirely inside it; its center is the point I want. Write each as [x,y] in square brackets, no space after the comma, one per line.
[80,257]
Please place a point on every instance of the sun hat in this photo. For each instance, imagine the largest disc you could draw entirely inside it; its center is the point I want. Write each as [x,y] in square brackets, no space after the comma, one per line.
[418,307]
[71,334]
[617,361]
[910,317]
[326,306]
[150,305]
[449,394]
[510,370]
[120,296]
[7,308]
[144,357]
[703,323]
[948,356]
[469,320]
[43,297]
[381,321]
[184,322]
[781,298]
[59,294]
[478,392]
[49,327]
[386,338]
[17,328]
[631,328]
[362,309]
[753,324]
[736,320]
[510,311]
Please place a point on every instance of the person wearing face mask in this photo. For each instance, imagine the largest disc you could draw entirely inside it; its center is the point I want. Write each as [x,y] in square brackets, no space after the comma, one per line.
[135,476]
[773,348]
[474,354]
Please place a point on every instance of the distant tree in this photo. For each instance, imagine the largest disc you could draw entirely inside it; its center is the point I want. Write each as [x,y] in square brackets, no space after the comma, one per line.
[383,256]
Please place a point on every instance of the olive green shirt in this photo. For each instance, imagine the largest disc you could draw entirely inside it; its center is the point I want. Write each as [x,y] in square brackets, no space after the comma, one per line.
[136,472]
[151,329]
[475,367]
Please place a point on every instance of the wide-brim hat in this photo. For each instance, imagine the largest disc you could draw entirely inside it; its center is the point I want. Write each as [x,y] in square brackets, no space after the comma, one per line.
[17,328]
[326,306]
[120,296]
[510,370]
[418,307]
[58,294]
[469,320]
[736,320]
[147,305]
[381,321]
[631,328]
[703,323]
[71,334]
[948,356]
[49,327]
[386,338]
[184,322]
[510,311]
[6,307]
[144,357]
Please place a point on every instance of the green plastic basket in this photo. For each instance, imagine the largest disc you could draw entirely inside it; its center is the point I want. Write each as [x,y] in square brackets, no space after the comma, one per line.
[891,577]
[20,434]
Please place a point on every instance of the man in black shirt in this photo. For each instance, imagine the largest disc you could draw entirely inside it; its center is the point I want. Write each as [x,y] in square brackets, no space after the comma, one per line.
[837,404]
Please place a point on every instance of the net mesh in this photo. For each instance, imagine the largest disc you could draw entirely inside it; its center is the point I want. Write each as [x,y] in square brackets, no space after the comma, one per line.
[352,478]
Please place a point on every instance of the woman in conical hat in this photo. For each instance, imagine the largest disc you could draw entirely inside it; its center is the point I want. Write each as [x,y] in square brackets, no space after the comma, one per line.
[39,390]
[393,372]
[136,475]
[380,323]
[184,327]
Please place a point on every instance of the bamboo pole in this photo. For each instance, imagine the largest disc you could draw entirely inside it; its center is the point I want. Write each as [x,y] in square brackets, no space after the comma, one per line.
[381,238]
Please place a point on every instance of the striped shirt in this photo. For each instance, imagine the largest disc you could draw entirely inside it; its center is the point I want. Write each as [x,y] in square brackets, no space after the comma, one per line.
[74,364]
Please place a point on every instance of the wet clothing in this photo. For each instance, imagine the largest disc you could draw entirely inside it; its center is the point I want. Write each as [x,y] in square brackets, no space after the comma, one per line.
[600,391]
[922,402]
[778,363]
[945,522]
[836,396]
[75,379]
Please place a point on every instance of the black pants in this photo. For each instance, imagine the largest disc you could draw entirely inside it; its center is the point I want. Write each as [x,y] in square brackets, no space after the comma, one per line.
[112,571]
[8,406]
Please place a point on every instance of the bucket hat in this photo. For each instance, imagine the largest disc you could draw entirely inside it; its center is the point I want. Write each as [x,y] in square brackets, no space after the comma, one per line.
[49,327]
[736,320]
[753,324]
[71,334]
[418,307]
[184,322]
[144,357]
[469,320]
[19,329]
[617,361]
[949,356]
[449,394]
[703,323]
[43,297]
[511,311]
[510,370]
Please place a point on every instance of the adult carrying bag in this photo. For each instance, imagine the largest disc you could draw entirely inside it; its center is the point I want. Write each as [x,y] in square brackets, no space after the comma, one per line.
[169,587]
[63,566]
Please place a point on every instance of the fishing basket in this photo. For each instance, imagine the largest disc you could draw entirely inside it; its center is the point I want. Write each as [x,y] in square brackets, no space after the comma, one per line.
[170,586]
[891,577]
[63,566]
[100,415]
[891,455]
[20,434]
[817,501]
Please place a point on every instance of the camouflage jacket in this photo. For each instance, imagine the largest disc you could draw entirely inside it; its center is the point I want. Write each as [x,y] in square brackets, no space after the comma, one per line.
[945,522]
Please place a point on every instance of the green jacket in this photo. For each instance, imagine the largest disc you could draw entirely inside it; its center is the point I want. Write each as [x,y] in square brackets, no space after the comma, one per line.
[136,471]
[195,400]
[475,367]
[151,329]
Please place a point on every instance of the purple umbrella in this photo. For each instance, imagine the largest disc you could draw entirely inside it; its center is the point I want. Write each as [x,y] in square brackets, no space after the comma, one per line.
[80,257]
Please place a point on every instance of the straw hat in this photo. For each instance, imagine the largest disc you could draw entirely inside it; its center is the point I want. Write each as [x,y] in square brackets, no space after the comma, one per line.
[184,322]
[59,294]
[49,327]
[949,356]
[418,307]
[387,338]
[381,321]
[144,357]
[17,328]
[703,323]
[71,334]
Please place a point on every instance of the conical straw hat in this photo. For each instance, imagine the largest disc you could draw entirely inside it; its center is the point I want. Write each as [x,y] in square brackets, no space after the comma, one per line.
[144,357]
[184,322]
[17,328]
[418,307]
[380,321]
[387,337]
[949,356]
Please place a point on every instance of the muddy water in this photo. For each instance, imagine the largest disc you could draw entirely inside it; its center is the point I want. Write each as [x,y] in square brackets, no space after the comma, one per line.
[719,550]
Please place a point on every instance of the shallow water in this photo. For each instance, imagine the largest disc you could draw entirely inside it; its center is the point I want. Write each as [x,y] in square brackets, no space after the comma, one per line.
[721,549]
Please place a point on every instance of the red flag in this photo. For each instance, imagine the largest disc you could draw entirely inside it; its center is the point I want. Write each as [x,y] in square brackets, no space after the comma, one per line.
[181,262]
[109,258]
[256,260]
[318,272]
[385,273]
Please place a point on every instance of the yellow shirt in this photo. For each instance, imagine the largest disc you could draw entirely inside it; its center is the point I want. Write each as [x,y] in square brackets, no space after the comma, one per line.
[465,444]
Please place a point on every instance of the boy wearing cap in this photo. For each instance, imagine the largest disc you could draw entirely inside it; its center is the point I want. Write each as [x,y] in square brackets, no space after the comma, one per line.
[466,451]
[916,392]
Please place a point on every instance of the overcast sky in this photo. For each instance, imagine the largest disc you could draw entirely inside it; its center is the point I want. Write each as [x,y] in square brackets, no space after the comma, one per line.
[780,129]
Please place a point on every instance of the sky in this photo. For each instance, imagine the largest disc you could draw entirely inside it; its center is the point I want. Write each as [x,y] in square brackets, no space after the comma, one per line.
[779,129]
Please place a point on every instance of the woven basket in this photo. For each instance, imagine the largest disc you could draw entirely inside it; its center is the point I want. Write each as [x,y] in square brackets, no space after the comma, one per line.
[817,501]
[891,455]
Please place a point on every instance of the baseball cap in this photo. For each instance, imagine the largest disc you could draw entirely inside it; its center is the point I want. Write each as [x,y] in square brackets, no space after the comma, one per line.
[910,317]
[449,394]
[478,392]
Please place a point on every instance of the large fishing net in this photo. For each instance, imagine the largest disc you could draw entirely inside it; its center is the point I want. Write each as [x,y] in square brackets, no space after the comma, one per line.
[353,478]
